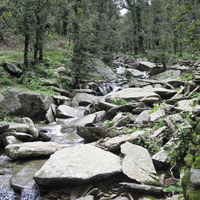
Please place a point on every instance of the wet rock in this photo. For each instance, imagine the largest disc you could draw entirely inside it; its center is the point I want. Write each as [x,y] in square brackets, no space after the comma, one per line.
[50,115]
[78,164]
[137,163]
[24,171]
[31,149]
[88,91]
[33,131]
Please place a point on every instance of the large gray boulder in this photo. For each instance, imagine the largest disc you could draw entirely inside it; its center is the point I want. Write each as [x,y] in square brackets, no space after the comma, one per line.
[138,94]
[3,126]
[84,99]
[150,67]
[31,149]
[13,69]
[64,111]
[98,69]
[26,103]
[78,164]
[137,163]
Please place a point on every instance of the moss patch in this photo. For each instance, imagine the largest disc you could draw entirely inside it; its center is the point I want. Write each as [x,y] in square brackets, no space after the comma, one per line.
[196,163]
[189,158]
[193,194]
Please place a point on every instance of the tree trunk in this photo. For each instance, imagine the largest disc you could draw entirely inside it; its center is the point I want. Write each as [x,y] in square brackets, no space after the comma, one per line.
[26,45]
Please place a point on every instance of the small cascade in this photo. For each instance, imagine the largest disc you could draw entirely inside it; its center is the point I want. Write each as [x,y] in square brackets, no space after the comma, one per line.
[30,192]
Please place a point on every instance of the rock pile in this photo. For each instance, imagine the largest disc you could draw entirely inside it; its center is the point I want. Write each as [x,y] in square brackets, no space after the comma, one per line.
[130,128]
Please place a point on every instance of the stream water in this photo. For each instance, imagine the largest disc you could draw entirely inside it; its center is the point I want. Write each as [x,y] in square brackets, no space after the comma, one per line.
[49,132]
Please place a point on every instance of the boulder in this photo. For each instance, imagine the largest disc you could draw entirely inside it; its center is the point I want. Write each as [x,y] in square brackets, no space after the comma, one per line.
[168,74]
[13,69]
[24,137]
[97,68]
[195,177]
[152,68]
[84,99]
[157,114]
[3,126]
[11,140]
[78,164]
[31,149]
[186,105]
[32,129]
[138,94]
[18,127]
[64,111]
[26,103]
[142,119]
[135,108]
[83,121]
[164,93]
[114,143]
[137,163]
[91,134]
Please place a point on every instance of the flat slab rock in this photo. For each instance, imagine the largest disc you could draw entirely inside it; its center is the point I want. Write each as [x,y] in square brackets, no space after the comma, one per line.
[134,94]
[137,163]
[78,164]
[31,149]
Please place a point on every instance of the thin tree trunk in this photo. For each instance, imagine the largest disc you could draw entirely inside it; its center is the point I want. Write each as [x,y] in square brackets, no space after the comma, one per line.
[26,45]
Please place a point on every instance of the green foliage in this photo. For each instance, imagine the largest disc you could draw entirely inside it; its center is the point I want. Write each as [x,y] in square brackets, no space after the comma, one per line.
[6,81]
[43,70]
[109,124]
[174,188]
[159,123]
[32,82]
[132,129]
[187,77]
[119,102]
[57,58]
[147,142]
